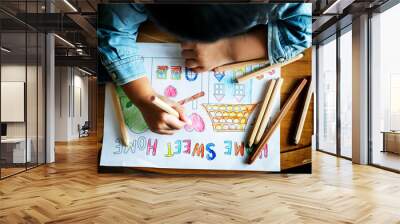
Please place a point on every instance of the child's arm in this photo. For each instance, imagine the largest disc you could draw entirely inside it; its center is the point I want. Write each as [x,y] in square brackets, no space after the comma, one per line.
[117,29]
[287,34]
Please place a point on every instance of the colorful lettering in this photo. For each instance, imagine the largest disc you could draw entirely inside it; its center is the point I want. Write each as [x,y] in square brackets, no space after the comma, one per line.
[264,152]
[248,150]
[209,148]
[151,147]
[178,147]
[228,147]
[141,143]
[131,147]
[188,144]
[118,147]
[239,149]
[198,150]
[169,152]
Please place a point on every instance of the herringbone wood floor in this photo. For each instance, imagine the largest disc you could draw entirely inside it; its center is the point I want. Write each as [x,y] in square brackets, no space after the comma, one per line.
[71,191]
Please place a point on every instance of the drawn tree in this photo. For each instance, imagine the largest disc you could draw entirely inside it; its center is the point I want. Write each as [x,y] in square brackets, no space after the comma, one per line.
[132,115]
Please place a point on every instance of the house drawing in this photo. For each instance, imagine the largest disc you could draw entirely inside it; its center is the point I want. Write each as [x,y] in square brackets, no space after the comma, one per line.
[230,105]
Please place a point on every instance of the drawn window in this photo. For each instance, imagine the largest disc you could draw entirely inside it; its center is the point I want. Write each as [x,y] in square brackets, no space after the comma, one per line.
[239,92]
[162,71]
[176,72]
[219,91]
[219,88]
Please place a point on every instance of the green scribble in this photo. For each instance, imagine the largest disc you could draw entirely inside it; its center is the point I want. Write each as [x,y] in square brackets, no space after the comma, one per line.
[132,115]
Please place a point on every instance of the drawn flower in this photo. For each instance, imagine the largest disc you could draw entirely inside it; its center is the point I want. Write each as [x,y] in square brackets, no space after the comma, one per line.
[170,91]
[197,123]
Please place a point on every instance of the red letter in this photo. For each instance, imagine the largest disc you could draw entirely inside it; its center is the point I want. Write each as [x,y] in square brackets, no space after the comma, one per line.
[187,145]
[265,150]
[149,147]
[239,149]
[198,150]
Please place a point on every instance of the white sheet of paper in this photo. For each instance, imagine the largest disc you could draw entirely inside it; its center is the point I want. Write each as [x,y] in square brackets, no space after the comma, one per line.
[221,119]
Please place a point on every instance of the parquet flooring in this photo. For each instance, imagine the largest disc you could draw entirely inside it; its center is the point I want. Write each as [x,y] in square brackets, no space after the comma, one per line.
[71,191]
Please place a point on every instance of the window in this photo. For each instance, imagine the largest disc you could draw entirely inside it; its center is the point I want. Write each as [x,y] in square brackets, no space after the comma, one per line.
[385,89]
[394,117]
[346,94]
[327,96]
[22,74]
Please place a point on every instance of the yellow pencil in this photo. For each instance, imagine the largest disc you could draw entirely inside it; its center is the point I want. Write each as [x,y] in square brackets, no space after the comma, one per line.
[164,106]
[303,115]
[262,71]
[119,115]
[264,105]
[241,64]
[268,111]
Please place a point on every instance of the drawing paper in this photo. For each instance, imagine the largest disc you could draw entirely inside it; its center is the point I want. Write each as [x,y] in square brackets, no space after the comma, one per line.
[221,119]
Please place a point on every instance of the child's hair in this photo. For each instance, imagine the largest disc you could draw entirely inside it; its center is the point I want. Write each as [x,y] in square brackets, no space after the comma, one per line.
[206,22]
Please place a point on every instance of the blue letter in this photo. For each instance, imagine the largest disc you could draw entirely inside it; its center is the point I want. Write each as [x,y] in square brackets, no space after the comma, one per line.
[228,147]
[209,149]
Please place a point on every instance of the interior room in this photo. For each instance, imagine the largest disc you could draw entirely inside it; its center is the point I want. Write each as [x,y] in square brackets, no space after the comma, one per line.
[344,168]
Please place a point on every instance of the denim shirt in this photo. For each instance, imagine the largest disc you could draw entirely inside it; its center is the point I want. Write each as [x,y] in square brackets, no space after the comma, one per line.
[288,34]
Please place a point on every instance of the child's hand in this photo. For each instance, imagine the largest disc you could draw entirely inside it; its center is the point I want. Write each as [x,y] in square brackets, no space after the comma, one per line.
[140,92]
[201,57]
[161,122]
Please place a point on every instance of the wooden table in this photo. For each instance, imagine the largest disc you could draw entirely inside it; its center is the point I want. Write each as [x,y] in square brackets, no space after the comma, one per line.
[391,141]
[292,156]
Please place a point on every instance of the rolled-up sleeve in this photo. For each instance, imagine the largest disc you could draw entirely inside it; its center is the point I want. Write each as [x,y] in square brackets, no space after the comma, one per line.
[289,31]
[116,32]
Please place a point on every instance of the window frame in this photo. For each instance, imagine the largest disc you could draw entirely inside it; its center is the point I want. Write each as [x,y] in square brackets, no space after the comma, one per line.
[334,37]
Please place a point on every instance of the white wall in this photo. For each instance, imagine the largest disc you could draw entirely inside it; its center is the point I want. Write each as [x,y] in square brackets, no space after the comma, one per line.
[16,73]
[33,127]
[61,104]
[71,93]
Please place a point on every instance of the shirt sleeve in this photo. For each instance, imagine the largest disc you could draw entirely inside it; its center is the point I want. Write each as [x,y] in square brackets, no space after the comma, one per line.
[289,31]
[117,31]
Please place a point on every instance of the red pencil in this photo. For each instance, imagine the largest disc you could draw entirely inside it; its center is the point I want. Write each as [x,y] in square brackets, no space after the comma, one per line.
[191,98]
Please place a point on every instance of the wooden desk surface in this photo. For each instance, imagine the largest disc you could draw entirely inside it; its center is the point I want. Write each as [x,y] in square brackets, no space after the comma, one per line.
[291,155]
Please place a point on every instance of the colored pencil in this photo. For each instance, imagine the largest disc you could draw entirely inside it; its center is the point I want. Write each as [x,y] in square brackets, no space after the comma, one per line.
[303,115]
[119,115]
[262,71]
[264,105]
[285,109]
[191,98]
[268,111]
[241,64]
[164,106]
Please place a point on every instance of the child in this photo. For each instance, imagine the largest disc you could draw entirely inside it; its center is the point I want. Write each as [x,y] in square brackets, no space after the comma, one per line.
[211,35]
